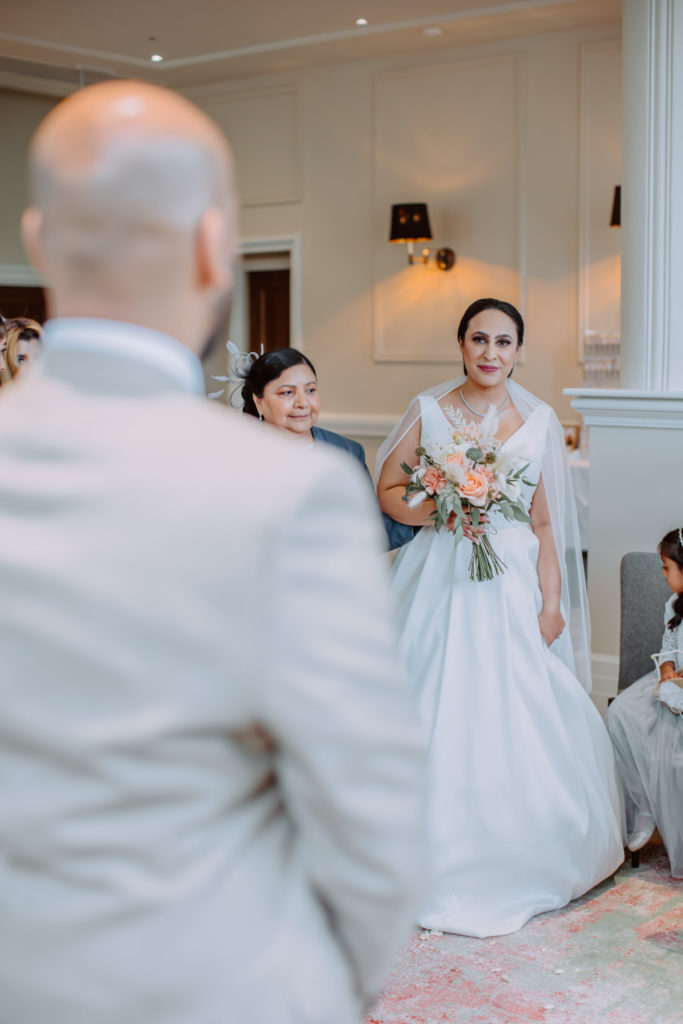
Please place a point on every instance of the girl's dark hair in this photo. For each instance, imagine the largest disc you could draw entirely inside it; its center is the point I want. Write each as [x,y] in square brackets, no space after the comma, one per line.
[670,547]
[268,367]
[483,304]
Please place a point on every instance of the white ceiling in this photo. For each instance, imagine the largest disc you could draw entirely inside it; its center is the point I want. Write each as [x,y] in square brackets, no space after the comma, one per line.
[48,45]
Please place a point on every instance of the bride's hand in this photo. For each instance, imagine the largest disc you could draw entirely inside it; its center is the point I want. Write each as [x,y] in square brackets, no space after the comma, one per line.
[551,624]
[471,532]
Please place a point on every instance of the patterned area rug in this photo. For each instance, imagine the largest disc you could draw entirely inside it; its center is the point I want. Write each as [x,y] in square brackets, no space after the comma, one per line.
[615,956]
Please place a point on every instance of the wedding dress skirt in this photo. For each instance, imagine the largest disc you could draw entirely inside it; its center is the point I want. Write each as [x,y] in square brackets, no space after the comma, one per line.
[523,809]
[648,744]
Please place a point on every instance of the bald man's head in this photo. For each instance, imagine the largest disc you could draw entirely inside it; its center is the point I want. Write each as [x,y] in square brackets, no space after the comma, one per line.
[132,196]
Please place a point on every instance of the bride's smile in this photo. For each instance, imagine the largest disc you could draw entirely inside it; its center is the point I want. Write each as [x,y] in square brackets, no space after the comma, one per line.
[489,349]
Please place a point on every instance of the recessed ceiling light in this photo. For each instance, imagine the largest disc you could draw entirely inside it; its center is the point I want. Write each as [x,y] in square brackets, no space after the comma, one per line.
[361,21]
[156,57]
[432,30]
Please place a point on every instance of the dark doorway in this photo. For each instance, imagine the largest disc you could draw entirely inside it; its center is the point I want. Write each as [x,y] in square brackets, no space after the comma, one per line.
[268,298]
[22,300]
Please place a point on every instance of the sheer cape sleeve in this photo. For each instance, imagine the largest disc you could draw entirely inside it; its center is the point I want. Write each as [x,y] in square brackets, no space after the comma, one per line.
[573,645]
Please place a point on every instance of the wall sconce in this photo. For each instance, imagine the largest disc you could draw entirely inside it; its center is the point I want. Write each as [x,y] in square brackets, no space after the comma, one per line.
[615,219]
[410,223]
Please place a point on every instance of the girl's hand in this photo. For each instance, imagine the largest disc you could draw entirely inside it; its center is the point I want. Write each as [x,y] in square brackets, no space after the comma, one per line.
[550,623]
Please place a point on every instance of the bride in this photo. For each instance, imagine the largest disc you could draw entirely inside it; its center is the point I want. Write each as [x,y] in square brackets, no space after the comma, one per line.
[523,808]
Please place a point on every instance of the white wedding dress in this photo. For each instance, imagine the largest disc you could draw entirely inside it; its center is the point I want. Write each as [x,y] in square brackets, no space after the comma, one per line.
[523,808]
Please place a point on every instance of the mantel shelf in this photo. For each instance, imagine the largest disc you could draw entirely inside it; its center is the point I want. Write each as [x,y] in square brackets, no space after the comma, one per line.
[625,407]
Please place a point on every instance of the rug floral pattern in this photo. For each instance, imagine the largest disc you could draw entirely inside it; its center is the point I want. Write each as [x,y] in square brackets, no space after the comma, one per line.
[615,956]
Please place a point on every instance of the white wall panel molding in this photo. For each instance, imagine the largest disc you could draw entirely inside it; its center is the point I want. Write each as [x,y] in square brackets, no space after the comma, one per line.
[19,274]
[269,161]
[359,424]
[619,407]
[451,135]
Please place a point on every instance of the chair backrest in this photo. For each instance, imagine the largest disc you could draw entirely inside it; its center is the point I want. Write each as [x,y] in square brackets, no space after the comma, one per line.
[644,593]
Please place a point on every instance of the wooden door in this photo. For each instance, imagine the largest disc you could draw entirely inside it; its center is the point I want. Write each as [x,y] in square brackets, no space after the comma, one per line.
[22,300]
[268,297]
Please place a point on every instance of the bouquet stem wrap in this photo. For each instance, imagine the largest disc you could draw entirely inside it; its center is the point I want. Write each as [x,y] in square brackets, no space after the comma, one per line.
[485,563]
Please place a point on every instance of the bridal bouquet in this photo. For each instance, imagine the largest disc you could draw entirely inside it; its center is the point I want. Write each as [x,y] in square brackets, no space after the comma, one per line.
[467,478]
[669,691]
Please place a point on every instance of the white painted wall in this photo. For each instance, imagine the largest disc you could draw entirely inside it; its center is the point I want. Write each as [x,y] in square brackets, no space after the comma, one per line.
[20,115]
[511,144]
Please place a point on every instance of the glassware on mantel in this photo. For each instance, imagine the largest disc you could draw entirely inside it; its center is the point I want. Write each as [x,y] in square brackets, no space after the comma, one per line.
[601,359]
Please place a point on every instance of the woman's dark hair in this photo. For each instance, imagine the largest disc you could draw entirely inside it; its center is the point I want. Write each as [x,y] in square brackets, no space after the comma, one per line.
[268,367]
[483,304]
[670,547]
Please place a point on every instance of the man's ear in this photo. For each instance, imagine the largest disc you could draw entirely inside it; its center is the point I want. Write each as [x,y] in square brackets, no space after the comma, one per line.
[213,251]
[32,237]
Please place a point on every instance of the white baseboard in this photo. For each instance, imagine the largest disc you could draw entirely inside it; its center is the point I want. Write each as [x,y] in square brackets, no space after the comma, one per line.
[605,672]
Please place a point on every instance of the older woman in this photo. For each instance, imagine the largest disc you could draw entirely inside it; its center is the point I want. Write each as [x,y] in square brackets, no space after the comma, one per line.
[281,388]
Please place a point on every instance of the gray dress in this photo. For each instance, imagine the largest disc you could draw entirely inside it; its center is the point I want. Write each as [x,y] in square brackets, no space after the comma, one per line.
[648,747]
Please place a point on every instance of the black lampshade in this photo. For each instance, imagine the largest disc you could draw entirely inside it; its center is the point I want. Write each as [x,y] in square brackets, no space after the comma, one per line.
[410,223]
[615,221]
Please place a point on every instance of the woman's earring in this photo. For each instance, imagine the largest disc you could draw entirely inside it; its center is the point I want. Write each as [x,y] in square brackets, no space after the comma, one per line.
[260,416]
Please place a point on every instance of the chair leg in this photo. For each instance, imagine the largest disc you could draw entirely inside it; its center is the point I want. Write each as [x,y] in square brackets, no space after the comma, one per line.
[635,859]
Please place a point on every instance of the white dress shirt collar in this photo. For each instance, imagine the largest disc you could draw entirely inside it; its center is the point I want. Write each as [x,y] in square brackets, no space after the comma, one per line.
[130,341]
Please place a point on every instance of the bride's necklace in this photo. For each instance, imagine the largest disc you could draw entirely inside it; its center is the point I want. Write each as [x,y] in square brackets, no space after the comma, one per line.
[482,414]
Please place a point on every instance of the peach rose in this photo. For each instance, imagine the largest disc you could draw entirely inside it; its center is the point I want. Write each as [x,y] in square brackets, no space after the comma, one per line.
[433,480]
[475,487]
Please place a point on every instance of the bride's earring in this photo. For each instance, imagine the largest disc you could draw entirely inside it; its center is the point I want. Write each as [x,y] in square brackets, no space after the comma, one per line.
[260,416]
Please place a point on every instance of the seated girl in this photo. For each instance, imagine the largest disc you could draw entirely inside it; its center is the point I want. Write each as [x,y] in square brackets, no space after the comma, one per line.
[646,727]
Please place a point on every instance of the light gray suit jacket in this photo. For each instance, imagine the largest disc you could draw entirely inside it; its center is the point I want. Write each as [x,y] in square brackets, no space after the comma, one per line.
[210,777]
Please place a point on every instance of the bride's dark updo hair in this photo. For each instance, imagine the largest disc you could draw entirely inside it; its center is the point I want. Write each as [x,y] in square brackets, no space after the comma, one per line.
[671,547]
[268,367]
[483,304]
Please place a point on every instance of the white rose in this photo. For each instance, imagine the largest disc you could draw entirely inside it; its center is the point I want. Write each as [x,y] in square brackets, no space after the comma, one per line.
[455,471]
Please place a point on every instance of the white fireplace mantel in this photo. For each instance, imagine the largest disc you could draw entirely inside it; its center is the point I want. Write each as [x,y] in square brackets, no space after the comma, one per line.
[623,407]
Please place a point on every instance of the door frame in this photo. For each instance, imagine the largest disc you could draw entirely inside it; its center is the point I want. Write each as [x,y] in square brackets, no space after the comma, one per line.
[24,274]
[290,244]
